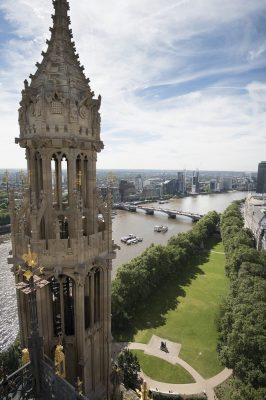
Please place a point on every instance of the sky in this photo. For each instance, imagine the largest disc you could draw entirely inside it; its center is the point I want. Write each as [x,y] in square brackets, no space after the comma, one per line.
[183,82]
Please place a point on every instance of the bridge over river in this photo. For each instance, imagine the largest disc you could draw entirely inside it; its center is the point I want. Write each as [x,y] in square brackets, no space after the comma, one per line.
[151,210]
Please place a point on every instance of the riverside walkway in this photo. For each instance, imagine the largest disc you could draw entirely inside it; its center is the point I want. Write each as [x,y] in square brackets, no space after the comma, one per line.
[200,387]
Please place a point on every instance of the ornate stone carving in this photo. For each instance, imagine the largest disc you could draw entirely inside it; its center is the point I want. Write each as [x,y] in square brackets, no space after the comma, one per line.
[84,111]
[97,146]
[38,105]
[56,102]
[73,115]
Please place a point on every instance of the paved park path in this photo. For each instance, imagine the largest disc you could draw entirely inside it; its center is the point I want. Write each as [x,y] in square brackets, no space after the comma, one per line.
[200,386]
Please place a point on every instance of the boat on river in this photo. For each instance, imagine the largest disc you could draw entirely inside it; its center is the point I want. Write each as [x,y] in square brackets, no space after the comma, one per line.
[161,228]
[135,240]
[124,239]
[131,239]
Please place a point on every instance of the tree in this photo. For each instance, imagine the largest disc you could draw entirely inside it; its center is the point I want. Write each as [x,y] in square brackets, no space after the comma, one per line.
[129,364]
[242,326]
[237,390]
[4,217]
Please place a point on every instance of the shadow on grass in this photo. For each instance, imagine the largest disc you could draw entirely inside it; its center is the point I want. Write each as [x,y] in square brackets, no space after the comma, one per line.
[165,298]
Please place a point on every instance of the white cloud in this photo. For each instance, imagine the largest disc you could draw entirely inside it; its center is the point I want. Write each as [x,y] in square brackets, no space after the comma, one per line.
[134,45]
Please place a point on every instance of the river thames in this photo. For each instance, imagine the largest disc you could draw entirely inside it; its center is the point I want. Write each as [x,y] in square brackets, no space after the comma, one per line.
[124,223]
[142,225]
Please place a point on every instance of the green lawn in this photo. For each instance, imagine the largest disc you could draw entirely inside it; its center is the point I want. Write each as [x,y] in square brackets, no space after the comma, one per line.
[161,370]
[193,321]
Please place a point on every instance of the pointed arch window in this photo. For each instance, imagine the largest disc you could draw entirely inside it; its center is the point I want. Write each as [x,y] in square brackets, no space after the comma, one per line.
[97,295]
[60,180]
[82,166]
[63,305]
[55,179]
[92,298]
[38,171]
[87,302]
[65,180]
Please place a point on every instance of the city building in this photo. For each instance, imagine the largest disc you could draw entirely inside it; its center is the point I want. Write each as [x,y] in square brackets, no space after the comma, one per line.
[126,189]
[138,183]
[62,217]
[225,183]
[153,187]
[213,185]
[255,218]
[170,187]
[261,180]
[181,182]
[195,188]
[114,190]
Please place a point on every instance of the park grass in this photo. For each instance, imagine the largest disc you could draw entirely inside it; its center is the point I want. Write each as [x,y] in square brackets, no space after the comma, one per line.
[193,322]
[162,371]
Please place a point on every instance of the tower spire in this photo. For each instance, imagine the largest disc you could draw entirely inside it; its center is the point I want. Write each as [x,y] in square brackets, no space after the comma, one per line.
[61,20]
[60,125]
[61,32]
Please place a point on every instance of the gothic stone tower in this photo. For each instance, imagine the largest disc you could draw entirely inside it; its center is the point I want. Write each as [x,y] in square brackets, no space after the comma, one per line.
[62,215]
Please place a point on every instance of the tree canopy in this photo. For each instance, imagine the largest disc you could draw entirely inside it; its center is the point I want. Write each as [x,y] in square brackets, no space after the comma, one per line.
[129,364]
[242,327]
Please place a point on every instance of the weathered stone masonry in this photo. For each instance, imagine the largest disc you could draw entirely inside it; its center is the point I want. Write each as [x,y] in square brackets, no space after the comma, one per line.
[62,215]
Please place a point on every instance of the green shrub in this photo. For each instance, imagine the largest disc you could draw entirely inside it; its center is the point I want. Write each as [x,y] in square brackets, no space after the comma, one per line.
[4,217]
[242,325]
[129,364]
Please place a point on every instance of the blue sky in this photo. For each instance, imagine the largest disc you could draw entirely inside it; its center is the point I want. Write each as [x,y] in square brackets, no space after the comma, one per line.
[183,81]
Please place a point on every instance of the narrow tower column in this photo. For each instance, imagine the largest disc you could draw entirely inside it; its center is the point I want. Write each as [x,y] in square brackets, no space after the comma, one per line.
[59,121]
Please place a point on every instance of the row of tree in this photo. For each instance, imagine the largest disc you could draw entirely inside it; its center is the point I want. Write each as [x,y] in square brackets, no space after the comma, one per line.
[242,326]
[137,280]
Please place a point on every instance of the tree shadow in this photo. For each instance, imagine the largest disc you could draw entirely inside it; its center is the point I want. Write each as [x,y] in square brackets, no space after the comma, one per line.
[152,314]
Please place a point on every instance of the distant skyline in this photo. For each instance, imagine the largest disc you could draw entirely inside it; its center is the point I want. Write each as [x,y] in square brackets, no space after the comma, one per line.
[183,82]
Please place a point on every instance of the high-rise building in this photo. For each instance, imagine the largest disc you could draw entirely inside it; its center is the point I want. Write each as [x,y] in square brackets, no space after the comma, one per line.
[170,187]
[195,182]
[181,182]
[261,180]
[138,183]
[63,217]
